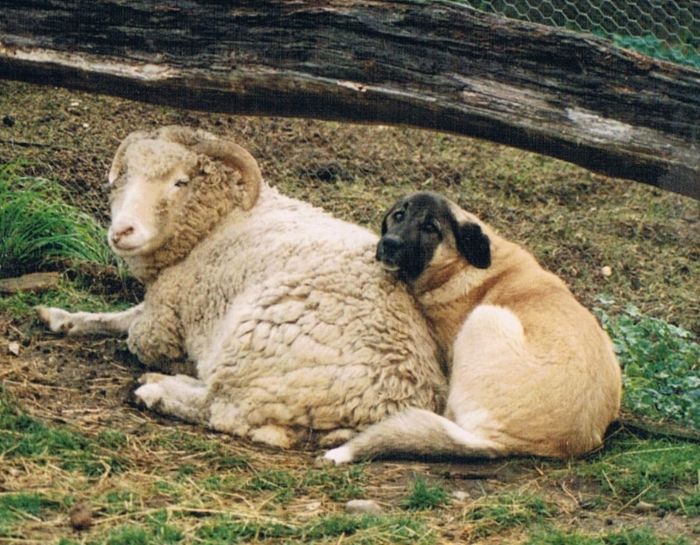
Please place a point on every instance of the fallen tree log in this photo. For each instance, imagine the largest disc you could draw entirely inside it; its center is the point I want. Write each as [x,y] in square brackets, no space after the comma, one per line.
[436,65]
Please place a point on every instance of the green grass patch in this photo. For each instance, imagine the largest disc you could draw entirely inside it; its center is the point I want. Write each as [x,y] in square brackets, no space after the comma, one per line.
[354,529]
[634,536]
[39,228]
[25,437]
[425,496]
[659,471]
[17,506]
[502,512]
[213,451]
[339,483]
[661,364]
[69,295]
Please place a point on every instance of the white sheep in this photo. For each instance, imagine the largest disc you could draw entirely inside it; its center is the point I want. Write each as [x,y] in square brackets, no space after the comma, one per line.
[291,323]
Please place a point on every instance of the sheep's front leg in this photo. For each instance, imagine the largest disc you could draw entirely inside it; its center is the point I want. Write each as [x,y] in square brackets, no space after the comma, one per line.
[89,323]
[180,395]
[156,336]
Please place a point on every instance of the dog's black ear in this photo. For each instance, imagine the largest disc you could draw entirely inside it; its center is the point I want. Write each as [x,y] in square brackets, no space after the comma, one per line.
[386,216]
[474,245]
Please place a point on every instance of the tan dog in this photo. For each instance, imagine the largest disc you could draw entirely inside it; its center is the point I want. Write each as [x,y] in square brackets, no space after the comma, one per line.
[532,371]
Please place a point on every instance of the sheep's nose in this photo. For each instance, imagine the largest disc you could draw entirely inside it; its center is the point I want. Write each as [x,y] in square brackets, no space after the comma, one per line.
[121,233]
[388,248]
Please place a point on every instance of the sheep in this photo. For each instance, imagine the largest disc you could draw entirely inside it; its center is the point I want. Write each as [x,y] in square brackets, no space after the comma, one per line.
[288,320]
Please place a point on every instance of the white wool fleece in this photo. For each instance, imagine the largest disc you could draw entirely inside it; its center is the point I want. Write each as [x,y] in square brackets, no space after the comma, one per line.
[292,325]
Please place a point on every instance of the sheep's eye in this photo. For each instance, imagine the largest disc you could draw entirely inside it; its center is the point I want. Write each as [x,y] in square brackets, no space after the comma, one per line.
[182,182]
[398,216]
[430,228]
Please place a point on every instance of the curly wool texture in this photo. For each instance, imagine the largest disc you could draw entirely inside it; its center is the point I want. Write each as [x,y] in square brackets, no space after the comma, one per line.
[289,319]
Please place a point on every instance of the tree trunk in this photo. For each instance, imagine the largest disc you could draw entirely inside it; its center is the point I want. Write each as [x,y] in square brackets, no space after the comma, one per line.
[436,65]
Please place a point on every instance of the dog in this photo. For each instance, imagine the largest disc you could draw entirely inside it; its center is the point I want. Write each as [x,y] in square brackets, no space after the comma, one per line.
[532,372]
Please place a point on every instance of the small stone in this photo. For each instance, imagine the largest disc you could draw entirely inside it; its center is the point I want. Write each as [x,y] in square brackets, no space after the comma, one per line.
[80,516]
[13,348]
[460,495]
[363,507]
[606,271]
[8,121]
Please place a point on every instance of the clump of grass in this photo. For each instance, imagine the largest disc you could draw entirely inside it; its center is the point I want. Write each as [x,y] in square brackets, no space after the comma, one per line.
[67,295]
[25,437]
[634,536]
[660,471]
[39,228]
[661,364]
[14,507]
[502,512]
[363,529]
[339,483]
[425,496]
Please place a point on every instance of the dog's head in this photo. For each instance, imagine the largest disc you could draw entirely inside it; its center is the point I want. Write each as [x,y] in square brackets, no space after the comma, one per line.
[424,228]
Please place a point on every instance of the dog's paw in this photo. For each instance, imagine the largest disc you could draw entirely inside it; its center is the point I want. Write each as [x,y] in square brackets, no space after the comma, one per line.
[338,456]
[58,320]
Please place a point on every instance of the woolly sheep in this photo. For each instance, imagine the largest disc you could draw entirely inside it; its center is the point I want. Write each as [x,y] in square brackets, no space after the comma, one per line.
[289,321]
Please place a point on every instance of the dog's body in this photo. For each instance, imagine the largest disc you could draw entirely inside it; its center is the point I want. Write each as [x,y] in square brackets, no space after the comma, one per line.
[532,371]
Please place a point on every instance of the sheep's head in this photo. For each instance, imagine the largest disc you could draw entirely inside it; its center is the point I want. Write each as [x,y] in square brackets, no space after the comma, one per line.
[170,187]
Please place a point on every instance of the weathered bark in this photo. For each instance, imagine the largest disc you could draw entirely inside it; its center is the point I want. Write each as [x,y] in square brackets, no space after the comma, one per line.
[437,65]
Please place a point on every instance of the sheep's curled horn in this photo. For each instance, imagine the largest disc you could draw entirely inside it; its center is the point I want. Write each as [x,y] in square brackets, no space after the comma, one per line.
[207,144]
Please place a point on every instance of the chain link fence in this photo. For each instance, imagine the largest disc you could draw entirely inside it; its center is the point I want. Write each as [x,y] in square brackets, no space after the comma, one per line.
[665,29]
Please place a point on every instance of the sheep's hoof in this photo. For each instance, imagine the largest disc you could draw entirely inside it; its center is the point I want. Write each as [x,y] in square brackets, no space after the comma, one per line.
[149,395]
[58,320]
[339,456]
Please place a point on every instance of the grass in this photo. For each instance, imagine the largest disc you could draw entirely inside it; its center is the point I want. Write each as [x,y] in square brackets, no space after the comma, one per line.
[661,365]
[17,507]
[26,438]
[659,471]
[425,496]
[69,294]
[38,228]
[636,536]
[502,512]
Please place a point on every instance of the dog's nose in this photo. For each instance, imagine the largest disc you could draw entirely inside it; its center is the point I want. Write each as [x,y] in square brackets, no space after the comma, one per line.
[388,247]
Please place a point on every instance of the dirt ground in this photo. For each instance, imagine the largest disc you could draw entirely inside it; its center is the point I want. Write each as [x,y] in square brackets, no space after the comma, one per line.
[576,222]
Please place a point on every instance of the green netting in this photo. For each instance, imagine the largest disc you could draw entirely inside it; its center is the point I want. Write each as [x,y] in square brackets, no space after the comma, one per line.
[666,29]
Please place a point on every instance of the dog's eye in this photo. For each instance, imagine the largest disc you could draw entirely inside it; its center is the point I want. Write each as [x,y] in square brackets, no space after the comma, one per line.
[182,182]
[398,216]
[430,228]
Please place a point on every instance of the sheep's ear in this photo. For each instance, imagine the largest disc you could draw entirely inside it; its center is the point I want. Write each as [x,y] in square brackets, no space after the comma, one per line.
[473,244]
[233,155]
[118,161]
